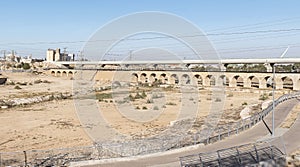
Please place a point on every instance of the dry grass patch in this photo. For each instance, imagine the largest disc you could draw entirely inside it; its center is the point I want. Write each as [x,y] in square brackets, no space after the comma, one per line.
[291,118]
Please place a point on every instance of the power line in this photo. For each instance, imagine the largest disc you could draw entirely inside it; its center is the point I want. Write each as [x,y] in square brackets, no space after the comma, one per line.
[161,37]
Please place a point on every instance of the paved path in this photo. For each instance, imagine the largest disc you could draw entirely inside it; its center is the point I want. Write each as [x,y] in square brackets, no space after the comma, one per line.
[257,132]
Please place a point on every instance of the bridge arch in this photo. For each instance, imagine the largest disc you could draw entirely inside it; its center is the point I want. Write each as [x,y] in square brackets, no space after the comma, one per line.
[237,81]
[143,78]
[198,79]
[210,80]
[58,73]
[152,78]
[70,73]
[185,79]
[287,82]
[53,73]
[134,77]
[64,74]
[266,82]
[174,79]
[163,78]
[253,81]
[224,80]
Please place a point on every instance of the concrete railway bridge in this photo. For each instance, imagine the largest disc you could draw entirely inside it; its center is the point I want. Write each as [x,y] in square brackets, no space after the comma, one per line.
[230,79]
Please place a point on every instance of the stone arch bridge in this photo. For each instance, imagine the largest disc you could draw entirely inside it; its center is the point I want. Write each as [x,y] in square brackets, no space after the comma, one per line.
[230,79]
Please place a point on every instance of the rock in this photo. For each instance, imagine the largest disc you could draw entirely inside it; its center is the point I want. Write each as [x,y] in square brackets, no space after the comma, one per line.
[245,113]
[266,104]
[4,107]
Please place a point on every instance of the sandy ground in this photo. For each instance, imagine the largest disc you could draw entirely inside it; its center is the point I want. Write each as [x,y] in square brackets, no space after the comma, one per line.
[55,124]
[291,118]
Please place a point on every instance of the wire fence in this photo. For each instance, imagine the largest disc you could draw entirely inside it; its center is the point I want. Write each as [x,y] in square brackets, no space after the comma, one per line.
[105,150]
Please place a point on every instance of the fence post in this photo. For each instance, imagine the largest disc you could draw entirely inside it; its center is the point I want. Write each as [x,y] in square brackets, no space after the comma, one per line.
[238,154]
[273,157]
[257,157]
[243,124]
[219,135]
[228,130]
[237,127]
[219,159]
[25,158]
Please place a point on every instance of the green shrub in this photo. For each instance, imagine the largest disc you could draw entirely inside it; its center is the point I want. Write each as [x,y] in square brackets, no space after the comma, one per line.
[155,108]
[144,108]
[26,66]
[244,104]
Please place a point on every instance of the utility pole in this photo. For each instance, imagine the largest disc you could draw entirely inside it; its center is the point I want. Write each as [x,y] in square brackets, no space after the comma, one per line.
[130,55]
[273,104]
[273,94]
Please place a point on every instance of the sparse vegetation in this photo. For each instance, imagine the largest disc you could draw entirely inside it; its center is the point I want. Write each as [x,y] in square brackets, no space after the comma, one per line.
[263,97]
[17,87]
[155,108]
[144,95]
[144,108]
[171,104]
[244,103]
[46,81]
[26,66]
[230,95]
[37,81]
[149,101]
[103,96]
[137,108]
[218,100]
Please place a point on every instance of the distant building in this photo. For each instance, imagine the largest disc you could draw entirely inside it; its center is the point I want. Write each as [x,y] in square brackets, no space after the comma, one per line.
[55,55]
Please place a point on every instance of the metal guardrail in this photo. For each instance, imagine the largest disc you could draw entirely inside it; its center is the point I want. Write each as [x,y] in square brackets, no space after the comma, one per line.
[62,157]
[242,155]
[235,128]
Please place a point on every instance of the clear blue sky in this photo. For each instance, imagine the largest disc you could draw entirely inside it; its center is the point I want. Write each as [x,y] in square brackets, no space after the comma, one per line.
[32,21]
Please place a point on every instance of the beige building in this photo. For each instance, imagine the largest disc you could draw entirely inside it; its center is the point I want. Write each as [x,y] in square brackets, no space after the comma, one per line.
[55,55]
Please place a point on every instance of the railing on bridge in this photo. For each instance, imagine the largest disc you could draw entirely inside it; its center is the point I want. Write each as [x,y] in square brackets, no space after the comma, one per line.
[62,157]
